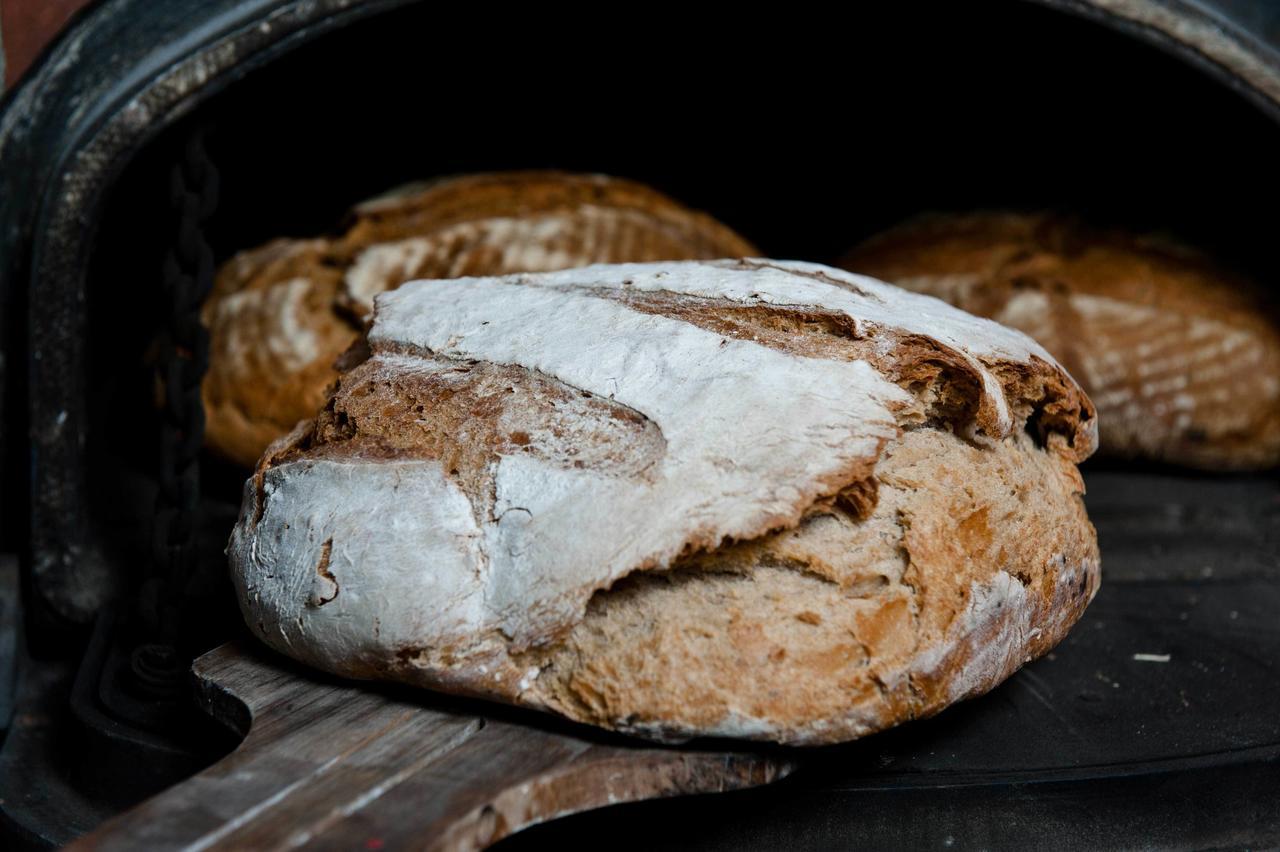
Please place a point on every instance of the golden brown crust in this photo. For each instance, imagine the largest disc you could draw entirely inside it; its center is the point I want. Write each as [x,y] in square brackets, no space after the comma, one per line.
[281,314]
[272,323]
[1149,269]
[938,569]
[945,387]
[1181,357]
[845,625]
[466,416]
[436,205]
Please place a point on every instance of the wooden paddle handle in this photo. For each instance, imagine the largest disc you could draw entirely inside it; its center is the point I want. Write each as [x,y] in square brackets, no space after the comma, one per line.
[334,765]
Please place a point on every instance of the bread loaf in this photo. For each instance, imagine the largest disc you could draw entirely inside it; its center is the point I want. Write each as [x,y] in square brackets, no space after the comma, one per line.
[752,499]
[1181,357]
[279,315]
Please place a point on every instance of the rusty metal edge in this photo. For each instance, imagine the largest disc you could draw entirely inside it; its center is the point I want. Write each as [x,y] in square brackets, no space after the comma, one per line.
[1198,34]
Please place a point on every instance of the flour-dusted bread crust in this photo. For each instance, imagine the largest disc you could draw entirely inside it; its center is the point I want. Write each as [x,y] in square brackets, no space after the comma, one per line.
[281,314]
[1181,357]
[743,498]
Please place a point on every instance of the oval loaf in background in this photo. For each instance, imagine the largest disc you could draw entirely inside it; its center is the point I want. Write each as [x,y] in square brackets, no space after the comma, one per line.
[753,499]
[1181,357]
[280,315]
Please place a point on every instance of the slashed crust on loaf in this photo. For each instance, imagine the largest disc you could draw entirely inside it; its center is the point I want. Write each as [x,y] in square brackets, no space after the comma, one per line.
[845,625]
[752,499]
[281,314]
[1181,357]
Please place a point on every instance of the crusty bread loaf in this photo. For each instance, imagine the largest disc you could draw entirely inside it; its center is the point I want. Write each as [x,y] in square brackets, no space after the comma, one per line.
[279,315]
[743,498]
[1181,357]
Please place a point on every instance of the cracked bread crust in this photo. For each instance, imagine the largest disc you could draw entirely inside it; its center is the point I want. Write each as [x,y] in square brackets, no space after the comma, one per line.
[1181,356]
[973,562]
[280,315]
[749,499]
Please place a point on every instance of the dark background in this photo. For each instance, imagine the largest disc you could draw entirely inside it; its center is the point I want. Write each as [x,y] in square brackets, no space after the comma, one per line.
[806,133]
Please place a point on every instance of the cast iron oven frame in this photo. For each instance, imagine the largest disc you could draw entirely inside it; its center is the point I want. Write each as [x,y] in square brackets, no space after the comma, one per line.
[107,89]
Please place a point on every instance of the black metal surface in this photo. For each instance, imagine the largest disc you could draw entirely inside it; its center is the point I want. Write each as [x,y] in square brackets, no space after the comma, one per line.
[10,631]
[134,738]
[42,805]
[157,664]
[1237,42]
[126,71]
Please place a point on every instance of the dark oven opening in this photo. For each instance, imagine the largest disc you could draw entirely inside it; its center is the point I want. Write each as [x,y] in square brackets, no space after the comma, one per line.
[805,134]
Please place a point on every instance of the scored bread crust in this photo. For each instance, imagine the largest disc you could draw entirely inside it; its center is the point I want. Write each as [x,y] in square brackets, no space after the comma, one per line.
[279,315]
[755,499]
[1181,357]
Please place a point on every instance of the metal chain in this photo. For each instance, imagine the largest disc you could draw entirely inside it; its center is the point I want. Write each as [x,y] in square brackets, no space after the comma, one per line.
[184,358]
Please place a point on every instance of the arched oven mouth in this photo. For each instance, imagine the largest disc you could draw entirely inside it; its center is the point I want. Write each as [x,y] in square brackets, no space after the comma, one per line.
[804,134]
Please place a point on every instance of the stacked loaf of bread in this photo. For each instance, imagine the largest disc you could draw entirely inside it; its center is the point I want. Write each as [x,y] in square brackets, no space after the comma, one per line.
[1181,356]
[741,498]
[279,315]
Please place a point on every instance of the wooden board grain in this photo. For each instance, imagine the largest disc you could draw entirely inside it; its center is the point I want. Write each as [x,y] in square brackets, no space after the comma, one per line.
[332,765]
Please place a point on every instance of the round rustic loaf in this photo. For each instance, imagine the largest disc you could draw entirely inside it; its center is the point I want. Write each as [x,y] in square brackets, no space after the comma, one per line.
[753,499]
[1181,357]
[280,315]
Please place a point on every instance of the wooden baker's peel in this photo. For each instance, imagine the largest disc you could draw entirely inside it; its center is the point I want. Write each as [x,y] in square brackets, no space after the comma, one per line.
[326,764]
